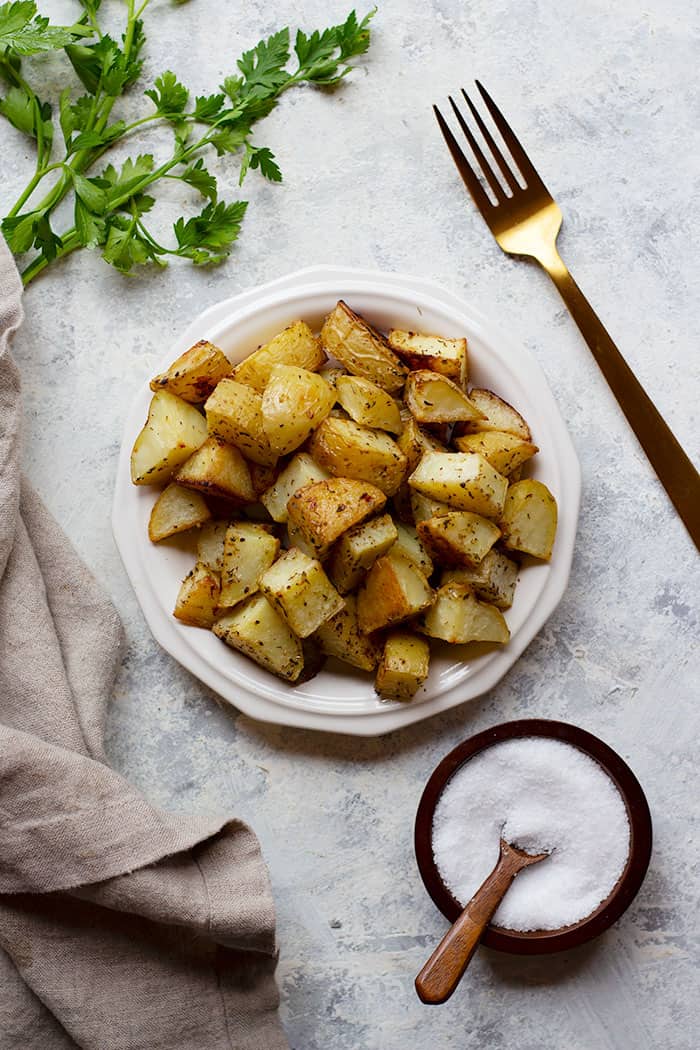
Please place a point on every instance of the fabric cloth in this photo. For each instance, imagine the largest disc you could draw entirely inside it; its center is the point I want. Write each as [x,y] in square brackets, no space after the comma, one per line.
[121,926]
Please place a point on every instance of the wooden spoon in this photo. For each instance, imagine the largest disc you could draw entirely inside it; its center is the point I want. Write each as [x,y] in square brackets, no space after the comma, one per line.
[442,973]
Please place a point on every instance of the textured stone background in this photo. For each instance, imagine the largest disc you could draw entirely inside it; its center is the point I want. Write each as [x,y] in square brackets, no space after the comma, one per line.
[605,98]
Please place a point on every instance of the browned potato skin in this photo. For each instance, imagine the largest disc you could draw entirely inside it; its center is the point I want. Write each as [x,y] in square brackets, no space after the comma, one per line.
[195,373]
[458,538]
[382,599]
[324,510]
[403,667]
[343,447]
[218,470]
[198,597]
[438,354]
[361,348]
[497,415]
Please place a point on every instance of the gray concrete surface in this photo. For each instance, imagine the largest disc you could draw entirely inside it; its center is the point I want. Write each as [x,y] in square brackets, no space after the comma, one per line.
[605,98]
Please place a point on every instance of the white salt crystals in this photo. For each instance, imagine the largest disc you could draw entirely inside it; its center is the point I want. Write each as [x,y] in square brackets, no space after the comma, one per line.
[540,794]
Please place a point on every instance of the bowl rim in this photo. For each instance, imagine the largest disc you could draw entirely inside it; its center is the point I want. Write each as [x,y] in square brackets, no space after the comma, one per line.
[623,893]
[266,706]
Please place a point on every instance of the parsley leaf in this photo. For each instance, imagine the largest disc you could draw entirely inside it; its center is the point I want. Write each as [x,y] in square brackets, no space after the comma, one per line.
[196,175]
[260,158]
[169,96]
[207,238]
[208,107]
[26,33]
[263,67]
[91,228]
[19,232]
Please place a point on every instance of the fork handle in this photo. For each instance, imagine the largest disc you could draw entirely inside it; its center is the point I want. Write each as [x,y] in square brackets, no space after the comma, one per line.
[673,467]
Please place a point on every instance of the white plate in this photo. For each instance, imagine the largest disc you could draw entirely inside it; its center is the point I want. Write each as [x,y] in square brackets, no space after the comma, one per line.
[339,699]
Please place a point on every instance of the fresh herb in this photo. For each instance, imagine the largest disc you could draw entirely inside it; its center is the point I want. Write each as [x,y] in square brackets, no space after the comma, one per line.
[110,204]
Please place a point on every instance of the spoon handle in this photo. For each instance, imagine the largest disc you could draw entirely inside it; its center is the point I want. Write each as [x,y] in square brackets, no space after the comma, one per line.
[442,973]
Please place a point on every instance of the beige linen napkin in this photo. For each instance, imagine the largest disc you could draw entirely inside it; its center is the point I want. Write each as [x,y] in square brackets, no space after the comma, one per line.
[121,926]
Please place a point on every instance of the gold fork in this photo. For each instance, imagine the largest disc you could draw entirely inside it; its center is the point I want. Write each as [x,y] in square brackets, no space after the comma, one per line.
[525,220]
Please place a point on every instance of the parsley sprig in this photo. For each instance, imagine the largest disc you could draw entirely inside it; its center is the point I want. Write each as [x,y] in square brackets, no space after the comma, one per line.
[111,204]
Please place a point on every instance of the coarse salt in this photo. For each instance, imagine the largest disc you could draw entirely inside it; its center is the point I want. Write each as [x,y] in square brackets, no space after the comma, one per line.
[539,794]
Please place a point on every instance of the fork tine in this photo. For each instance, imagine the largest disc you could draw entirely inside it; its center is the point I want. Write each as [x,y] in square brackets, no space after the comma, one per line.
[492,145]
[481,160]
[468,176]
[518,153]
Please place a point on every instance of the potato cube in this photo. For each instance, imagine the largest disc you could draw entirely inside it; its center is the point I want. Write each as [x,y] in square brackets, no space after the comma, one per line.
[218,470]
[249,550]
[301,470]
[195,373]
[341,637]
[504,451]
[210,544]
[295,401]
[496,414]
[257,630]
[358,549]
[296,345]
[198,597]
[172,432]
[361,349]
[458,538]
[457,616]
[529,520]
[324,510]
[176,510]
[299,589]
[465,480]
[403,667]
[414,441]
[493,579]
[346,449]
[410,545]
[424,507]
[394,590]
[234,414]
[432,352]
[368,404]
[433,398]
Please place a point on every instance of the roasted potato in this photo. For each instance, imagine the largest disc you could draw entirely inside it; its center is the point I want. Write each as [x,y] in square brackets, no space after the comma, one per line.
[465,480]
[409,543]
[505,452]
[210,544]
[424,507]
[296,345]
[403,667]
[249,550]
[394,590]
[457,616]
[529,519]
[414,441]
[297,586]
[361,349]
[234,414]
[346,449]
[324,510]
[218,470]
[173,431]
[496,414]
[176,510]
[432,352]
[341,637]
[295,401]
[458,538]
[368,404]
[195,373]
[198,598]
[493,579]
[300,471]
[256,629]
[358,549]
[433,398]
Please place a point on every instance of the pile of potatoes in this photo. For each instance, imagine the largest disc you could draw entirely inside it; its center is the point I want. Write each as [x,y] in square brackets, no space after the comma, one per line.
[357,508]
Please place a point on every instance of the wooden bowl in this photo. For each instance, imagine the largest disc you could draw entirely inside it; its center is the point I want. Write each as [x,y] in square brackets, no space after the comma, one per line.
[536,942]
